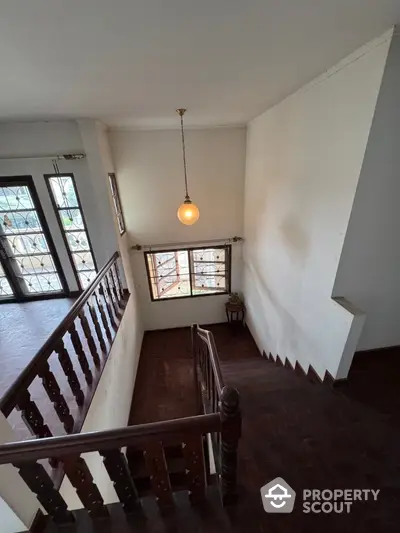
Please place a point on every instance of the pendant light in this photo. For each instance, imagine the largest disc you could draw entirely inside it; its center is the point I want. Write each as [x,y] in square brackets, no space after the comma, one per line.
[188,212]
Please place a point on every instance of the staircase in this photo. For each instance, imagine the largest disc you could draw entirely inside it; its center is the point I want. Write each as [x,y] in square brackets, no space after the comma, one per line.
[311,435]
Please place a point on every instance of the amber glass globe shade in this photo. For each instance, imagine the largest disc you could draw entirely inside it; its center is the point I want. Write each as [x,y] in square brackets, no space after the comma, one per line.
[188,213]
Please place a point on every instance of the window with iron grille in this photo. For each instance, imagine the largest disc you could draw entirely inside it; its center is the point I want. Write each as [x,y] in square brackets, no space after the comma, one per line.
[189,272]
[117,203]
[66,203]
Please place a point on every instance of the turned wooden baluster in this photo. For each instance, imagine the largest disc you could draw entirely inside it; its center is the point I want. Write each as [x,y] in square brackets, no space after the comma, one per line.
[193,452]
[37,479]
[96,323]
[230,434]
[76,342]
[69,371]
[114,291]
[97,294]
[104,293]
[113,296]
[88,334]
[80,477]
[118,470]
[54,393]
[115,273]
[159,477]
[32,417]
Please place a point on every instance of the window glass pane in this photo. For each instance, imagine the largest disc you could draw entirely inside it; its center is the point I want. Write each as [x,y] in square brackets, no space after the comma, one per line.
[42,283]
[78,241]
[28,244]
[209,271]
[63,191]
[117,203]
[83,260]
[71,219]
[5,288]
[38,264]
[25,243]
[171,275]
[121,225]
[208,255]
[86,278]
[12,198]
[20,222]
[65,199]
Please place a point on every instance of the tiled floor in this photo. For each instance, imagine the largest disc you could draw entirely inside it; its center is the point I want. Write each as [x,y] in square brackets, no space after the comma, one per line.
[23,330]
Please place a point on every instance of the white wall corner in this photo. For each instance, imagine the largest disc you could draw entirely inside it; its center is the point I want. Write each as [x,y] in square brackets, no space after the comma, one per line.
[95,143]
[355,319]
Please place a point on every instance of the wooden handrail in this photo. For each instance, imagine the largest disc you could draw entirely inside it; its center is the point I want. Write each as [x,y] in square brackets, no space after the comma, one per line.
[34,450]
[208,338]
[23,381]
[147,445]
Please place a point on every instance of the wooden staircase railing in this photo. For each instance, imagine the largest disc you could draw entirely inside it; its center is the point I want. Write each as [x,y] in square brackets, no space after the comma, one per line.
[213,397]
[151,438]
[99,310]
[160,472]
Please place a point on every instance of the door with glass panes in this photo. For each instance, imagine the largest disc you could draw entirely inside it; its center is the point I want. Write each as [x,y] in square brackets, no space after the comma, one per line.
[29,265]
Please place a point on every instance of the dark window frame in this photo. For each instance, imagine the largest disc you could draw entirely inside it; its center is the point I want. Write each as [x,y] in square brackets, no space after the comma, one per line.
[60,224]
[117,203]
[19,295]
[228,251]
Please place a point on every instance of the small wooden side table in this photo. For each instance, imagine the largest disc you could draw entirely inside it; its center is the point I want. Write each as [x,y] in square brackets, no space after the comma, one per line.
[235,312]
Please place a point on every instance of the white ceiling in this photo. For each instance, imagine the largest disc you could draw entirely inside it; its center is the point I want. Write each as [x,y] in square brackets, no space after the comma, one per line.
[132,62]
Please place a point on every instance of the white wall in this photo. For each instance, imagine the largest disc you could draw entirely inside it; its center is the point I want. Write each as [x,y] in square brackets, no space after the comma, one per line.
[150,179]
[95,145]
[49,138]
[369,268]
[111,403]
[304,159]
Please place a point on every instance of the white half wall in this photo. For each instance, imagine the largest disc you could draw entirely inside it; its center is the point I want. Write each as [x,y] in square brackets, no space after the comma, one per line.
[18,505]
[304,159]
[369,267]
[150,178]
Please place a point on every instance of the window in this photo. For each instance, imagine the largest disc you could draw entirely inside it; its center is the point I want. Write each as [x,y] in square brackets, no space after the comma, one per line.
[117,203]
[69,212]
[29,266]
[188,273]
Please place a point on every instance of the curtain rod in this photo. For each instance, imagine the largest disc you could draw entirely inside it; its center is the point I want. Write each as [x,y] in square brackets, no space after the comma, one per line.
[59,157]
[229,240]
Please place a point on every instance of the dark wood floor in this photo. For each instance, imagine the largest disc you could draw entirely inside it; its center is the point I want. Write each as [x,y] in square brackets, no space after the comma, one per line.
[164,387]
[308,434]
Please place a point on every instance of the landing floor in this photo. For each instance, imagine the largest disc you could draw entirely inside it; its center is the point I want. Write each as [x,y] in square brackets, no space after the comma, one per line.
[164,387]
[24,328]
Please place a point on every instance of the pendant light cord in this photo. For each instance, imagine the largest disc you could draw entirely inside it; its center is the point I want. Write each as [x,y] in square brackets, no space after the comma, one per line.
[181,112]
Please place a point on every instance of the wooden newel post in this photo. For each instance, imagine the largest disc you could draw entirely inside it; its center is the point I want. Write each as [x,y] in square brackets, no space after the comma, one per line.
[230,435]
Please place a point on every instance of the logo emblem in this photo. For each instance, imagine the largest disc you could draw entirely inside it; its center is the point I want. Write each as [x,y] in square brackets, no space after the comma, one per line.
[278,496]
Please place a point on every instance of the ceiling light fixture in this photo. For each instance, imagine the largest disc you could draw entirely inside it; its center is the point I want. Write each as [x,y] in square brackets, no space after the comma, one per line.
[188,212]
